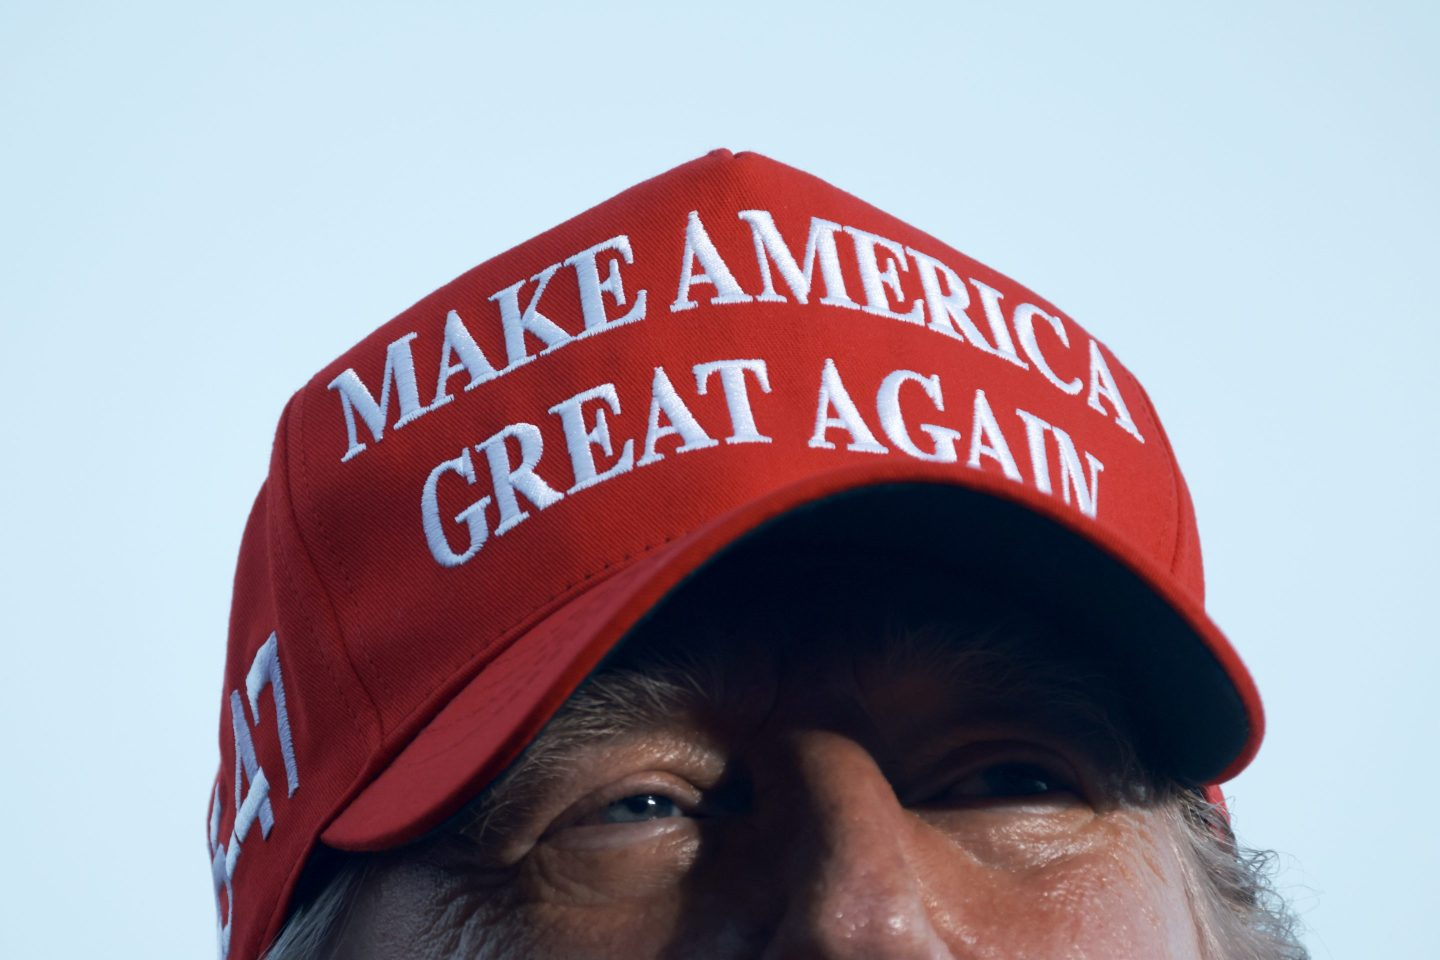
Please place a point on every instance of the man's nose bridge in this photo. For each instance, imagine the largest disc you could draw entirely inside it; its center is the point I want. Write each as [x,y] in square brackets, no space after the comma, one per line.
[854,889]
[852,806]
[861,829]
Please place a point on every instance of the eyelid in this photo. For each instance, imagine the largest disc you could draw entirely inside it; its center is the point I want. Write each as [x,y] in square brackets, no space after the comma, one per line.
[973,758]
[684,794]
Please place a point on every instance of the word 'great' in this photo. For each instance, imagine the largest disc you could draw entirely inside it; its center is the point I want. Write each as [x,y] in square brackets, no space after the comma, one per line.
[513,454]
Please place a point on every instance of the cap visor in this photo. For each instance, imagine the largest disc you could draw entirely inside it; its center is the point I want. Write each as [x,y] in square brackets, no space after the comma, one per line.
[1194,697]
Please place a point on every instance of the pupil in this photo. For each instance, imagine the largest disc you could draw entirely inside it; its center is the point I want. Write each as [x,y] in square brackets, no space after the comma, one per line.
[1017,780]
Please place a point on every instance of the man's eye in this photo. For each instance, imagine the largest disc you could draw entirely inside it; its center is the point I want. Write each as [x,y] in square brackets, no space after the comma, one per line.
[1009,780]
[639,808]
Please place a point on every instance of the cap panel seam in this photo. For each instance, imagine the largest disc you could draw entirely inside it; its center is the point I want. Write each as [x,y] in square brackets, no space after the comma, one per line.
[1174,472]
[303,610]
[299,416]
[282,561]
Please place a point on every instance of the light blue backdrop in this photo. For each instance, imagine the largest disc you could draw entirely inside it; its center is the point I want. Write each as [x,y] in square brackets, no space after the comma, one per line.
[198,209]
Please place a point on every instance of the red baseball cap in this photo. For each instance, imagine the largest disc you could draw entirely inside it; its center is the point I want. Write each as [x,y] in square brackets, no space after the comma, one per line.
[468,509]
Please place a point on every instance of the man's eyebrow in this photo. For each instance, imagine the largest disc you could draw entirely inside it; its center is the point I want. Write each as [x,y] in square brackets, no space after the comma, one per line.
[1008,673]
[608,706]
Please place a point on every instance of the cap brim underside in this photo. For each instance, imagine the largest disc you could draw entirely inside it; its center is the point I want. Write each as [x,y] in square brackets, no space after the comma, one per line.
[1197,702]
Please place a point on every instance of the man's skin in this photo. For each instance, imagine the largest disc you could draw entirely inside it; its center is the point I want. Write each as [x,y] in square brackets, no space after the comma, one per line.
[822,798]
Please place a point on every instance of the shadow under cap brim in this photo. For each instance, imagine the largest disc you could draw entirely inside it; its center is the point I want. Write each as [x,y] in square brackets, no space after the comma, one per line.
[1199,715]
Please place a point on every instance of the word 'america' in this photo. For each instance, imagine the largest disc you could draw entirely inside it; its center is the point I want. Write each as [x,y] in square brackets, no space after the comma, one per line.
[944,307]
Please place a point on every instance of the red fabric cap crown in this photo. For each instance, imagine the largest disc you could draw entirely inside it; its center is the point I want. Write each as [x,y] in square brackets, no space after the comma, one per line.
[465,510]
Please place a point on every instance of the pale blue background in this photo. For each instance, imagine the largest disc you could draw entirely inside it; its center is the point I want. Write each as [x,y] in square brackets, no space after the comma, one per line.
[198,209]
